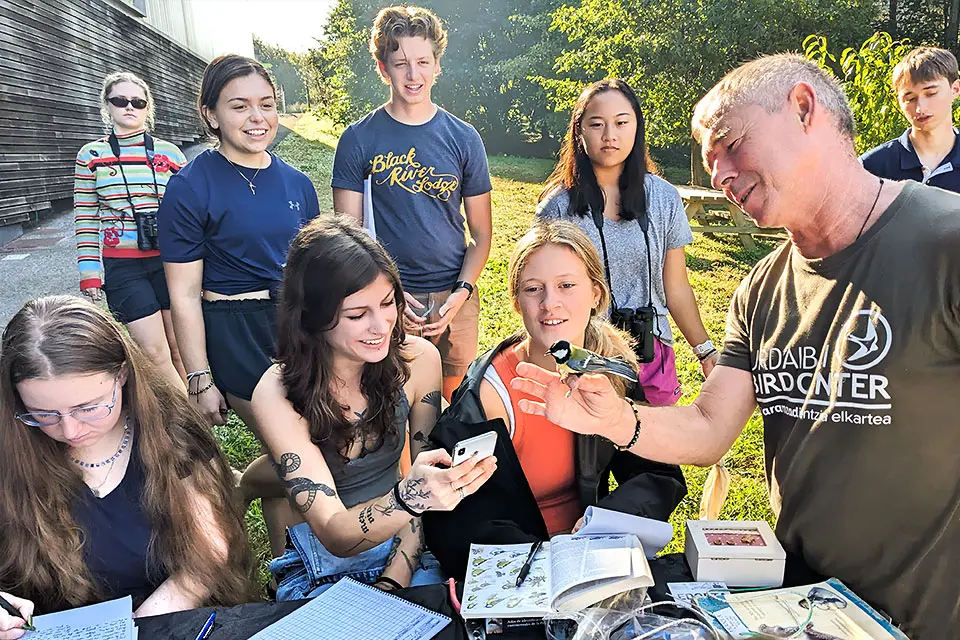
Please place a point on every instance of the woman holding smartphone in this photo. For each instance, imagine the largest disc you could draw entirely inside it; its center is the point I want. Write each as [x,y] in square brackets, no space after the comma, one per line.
[119,182]
[548,475]
[605,184]
[348,391]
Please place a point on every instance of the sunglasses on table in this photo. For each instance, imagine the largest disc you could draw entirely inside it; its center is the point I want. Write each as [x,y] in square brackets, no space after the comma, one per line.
[89,413]
[121,102]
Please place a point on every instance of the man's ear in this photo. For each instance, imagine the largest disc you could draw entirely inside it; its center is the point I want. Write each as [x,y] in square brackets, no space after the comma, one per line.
[955,89]
[382,72]
[803,100]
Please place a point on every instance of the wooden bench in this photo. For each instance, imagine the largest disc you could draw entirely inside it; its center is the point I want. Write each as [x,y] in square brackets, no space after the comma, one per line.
[704,205]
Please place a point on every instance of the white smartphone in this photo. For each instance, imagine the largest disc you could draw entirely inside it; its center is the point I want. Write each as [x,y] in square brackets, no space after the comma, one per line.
[482,445]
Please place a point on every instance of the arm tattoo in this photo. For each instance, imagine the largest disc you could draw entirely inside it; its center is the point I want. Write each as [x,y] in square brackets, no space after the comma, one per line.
[433,399]
[297,486]
[367,515]
[421,437]
[394,547]
[289,462]
[353,549]
[415,496]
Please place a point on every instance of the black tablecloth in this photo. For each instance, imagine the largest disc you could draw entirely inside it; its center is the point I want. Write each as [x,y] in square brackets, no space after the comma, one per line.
[243,621]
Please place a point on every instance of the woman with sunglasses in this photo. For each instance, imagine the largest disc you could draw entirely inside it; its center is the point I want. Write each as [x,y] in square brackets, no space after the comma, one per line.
[112,484]
[119,182]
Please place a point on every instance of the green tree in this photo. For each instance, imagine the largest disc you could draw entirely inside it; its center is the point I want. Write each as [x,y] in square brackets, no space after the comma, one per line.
[672,51]
[284,66]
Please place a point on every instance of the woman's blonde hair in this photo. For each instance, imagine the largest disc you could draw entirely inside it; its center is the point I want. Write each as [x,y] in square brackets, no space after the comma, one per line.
[116,78]
[599,335]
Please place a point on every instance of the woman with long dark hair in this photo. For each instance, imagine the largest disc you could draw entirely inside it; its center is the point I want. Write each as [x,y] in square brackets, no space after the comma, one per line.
[348,390]
[119,182]
[605,182]
[112,484]
[225,227]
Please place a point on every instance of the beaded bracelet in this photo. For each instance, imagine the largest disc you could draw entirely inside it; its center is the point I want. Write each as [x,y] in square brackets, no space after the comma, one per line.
[199,391]
[404,505]
[636,429]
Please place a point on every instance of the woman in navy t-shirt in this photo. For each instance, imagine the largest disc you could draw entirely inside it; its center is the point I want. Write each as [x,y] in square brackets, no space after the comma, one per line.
[111,484]
[226,223]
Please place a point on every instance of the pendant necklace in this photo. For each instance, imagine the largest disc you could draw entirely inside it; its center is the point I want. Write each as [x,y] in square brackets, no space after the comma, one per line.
[249,181]
[112,460]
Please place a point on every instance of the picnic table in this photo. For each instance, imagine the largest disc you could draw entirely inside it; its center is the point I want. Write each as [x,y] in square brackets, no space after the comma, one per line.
[711,209]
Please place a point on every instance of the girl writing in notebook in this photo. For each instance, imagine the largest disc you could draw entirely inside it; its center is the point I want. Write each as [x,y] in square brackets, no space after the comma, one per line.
[348,390]
[112,484]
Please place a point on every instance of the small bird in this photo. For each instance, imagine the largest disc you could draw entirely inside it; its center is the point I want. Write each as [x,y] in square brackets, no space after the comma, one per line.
[577,360]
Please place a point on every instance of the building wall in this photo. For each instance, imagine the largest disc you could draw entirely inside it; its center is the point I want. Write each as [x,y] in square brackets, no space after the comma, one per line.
[53,57]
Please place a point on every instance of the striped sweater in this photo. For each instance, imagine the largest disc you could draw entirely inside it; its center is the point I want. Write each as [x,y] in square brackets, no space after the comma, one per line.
[105,226]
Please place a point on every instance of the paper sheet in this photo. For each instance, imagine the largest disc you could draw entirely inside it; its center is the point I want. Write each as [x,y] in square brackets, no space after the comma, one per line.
[111,620]
[654,534]
[352,611]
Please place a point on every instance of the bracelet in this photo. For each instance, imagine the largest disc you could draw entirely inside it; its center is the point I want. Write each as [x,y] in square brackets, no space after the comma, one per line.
[404,505]
[704,348]
[706,355]
[199,391]
[197,374]
[390,581]
[636,429]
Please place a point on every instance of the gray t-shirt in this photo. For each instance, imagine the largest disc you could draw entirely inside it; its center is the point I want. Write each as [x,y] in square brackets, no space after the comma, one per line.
[855,360]
[626,249]
[420,176]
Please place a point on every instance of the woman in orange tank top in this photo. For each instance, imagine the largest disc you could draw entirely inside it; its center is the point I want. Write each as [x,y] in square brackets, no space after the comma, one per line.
[546,476]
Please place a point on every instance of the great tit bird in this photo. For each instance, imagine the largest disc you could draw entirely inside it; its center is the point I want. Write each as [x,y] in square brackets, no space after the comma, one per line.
[577,360]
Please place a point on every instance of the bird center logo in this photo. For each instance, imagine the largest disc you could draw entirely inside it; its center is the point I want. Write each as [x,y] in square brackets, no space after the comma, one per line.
[864,341]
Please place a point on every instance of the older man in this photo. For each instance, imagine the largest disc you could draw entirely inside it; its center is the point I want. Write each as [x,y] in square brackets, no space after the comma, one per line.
[848,338]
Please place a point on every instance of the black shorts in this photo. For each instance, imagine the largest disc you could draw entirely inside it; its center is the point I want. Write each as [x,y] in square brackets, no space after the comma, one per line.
[135,287]
[241,343]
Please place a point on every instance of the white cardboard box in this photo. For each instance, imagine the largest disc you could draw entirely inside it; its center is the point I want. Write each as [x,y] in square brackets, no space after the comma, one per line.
[739,553]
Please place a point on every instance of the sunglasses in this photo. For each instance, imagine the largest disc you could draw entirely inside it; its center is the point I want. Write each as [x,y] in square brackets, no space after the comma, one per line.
[121,102]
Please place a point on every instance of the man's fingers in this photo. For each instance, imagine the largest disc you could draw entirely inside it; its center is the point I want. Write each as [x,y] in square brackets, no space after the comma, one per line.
[533,408]
[539,374]
[412,302]
[530,387]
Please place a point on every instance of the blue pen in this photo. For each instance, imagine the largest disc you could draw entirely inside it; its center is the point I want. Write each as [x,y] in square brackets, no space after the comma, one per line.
[207,627]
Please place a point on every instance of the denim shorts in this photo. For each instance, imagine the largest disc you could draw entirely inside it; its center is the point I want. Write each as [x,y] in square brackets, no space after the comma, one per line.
[308,569]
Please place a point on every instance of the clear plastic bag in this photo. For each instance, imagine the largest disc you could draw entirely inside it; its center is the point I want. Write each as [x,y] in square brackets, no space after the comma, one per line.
[633,623]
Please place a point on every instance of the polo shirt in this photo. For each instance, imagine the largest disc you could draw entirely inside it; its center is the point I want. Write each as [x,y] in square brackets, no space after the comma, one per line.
[897,160]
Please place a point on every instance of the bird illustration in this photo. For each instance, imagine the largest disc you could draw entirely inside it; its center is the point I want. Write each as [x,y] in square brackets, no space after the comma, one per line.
[577,360]
[865,345]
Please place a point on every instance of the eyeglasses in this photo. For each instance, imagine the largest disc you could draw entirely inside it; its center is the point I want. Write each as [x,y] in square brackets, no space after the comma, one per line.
[121,102]
[89,413]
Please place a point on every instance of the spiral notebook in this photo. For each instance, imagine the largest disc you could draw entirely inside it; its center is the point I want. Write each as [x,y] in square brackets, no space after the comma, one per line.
[350,610]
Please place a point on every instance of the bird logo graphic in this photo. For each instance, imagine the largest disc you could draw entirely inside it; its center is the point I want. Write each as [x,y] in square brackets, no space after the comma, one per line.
[865,340]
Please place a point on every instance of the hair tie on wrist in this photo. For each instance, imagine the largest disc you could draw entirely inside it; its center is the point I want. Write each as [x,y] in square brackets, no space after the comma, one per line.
[390,581]
[636,429]
[404,505]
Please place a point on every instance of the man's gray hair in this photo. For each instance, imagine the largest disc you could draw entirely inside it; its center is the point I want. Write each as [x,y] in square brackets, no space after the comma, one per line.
[767,82]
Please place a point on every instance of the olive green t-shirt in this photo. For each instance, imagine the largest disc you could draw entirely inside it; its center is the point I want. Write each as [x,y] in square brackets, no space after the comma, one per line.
[855,361]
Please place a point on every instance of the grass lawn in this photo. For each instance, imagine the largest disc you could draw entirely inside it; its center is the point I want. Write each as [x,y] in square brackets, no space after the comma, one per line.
[716,266]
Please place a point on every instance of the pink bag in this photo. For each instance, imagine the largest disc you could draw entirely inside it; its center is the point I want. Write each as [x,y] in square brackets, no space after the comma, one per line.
[659,378]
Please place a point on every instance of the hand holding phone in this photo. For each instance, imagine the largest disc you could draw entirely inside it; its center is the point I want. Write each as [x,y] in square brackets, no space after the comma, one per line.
[482,446]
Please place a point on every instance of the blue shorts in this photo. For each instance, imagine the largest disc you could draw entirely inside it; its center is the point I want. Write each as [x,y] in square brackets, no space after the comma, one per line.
[308,569]
[135,287]
[241,337]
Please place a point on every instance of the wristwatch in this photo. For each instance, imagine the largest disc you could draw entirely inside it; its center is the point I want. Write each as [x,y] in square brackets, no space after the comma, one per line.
[463,284]
[704,349]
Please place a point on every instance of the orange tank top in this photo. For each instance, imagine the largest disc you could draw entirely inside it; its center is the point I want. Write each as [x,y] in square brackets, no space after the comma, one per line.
[546,454]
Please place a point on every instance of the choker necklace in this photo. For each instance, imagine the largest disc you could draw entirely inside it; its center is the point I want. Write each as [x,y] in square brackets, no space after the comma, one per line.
[870,213]
[249,181]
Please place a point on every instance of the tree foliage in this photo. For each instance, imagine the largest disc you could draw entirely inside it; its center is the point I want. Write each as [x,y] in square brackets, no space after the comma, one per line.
[284,66]
[513,69]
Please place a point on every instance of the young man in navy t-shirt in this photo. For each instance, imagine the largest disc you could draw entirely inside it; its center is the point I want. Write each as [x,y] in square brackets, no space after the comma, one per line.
[927,84]
[422,163]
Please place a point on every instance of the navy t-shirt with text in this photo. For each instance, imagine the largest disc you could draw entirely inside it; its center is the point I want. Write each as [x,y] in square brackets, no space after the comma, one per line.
[209,213]
[420,176]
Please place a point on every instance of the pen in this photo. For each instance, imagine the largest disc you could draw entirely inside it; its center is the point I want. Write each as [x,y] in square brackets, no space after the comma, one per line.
[525,569]
[207,627]
[12,610]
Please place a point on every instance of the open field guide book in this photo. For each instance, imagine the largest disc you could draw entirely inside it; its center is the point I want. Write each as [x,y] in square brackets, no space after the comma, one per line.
[568,573]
